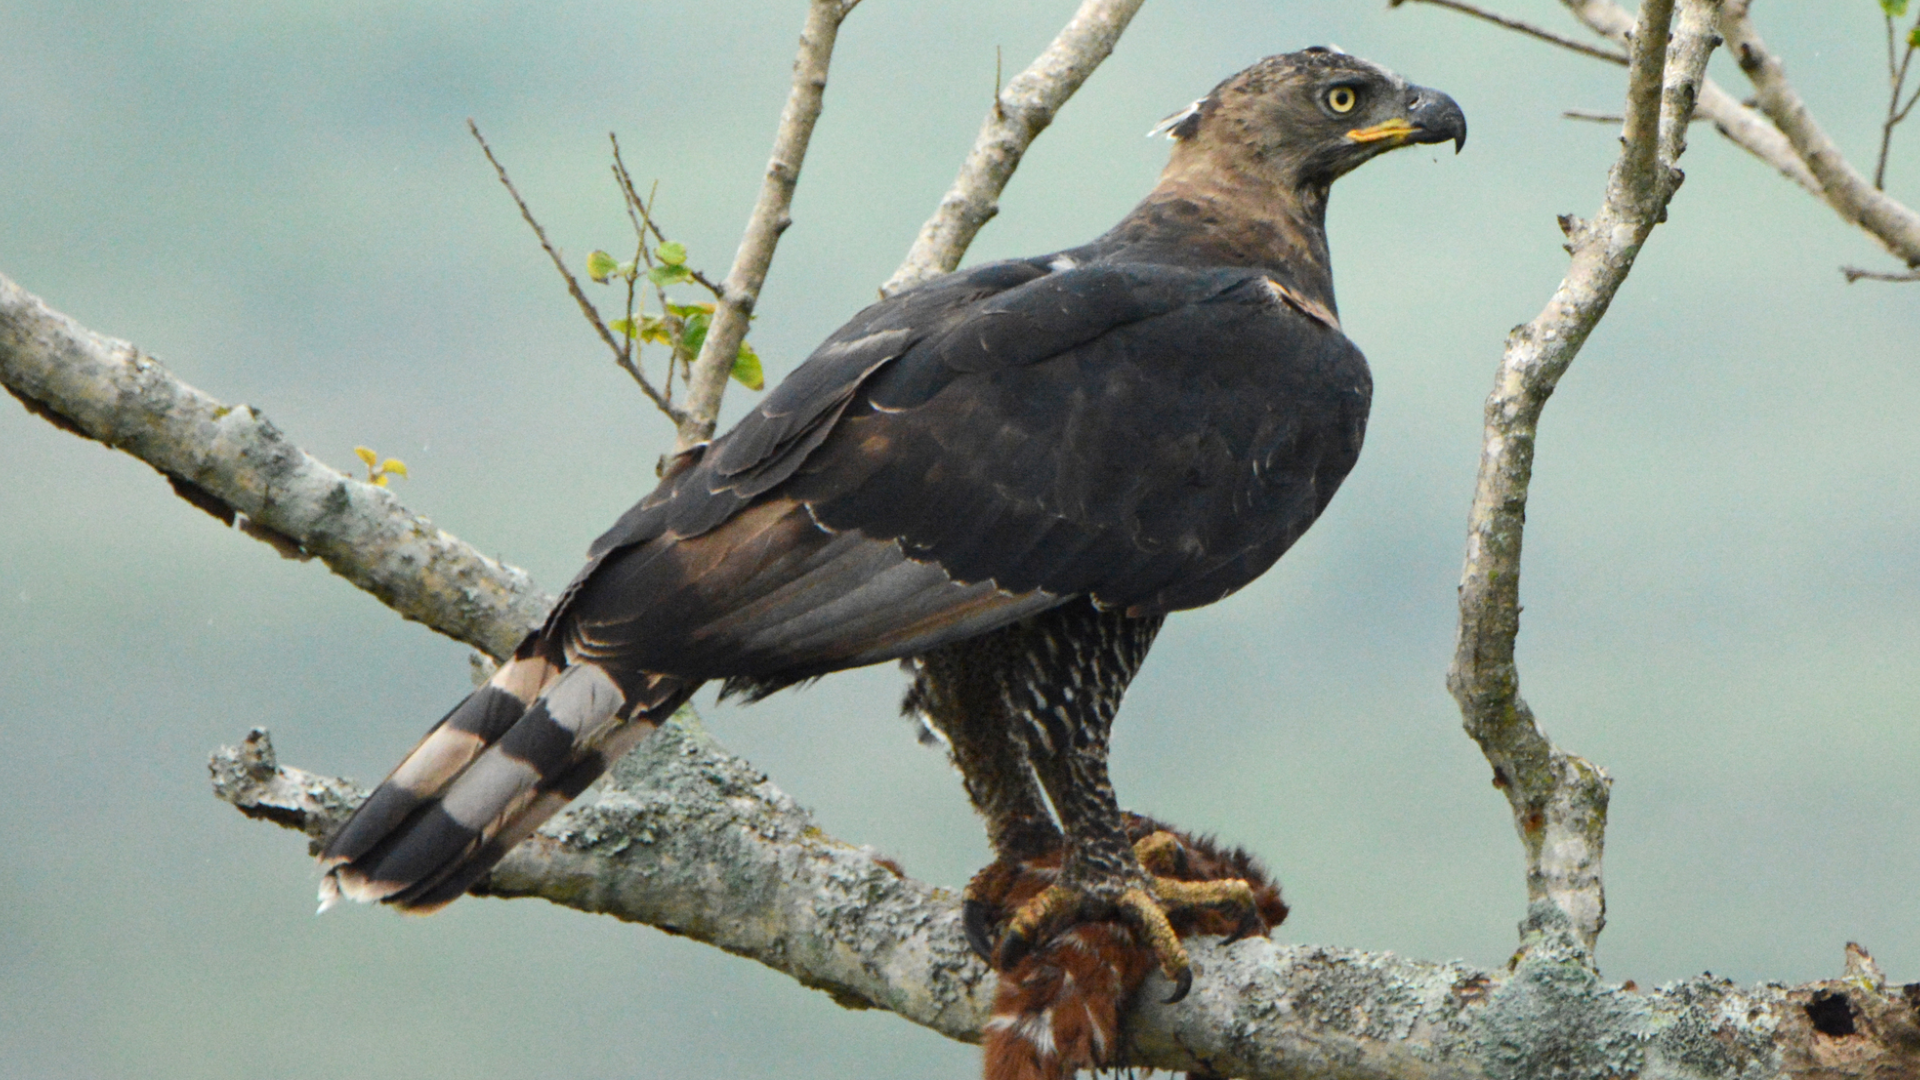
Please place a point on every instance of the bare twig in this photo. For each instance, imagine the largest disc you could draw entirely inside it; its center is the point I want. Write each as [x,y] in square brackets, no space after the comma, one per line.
[1781,132]
[707,381]
[1896,84]
[233,463]
[1019,114]
[1854,273]
[1739,124]
[622,355]
[1559,800]
[1526,28]
[640,212]
[1596,117]
[1746,128]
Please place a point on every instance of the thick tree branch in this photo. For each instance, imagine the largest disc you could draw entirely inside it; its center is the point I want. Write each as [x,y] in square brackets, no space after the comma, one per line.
[771,216]
[233,463]
[1559,801]
[1019,114]
[688,838]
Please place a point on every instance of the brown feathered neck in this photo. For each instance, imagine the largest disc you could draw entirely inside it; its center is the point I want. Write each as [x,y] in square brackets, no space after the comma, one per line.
[1218,204]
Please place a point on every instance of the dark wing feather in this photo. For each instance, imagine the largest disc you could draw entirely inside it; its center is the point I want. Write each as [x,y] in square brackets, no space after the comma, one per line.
[973,452]
[1157,464]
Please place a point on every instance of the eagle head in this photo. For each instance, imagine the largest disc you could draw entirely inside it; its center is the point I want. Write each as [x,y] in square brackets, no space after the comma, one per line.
[1313,116]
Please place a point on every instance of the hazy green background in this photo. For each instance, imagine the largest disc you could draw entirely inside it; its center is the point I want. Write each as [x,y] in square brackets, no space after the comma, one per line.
[280,200]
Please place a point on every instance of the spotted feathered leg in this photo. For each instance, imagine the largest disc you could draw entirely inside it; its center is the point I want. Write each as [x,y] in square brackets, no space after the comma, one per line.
[1066,683]
[956,692]
[1073,921]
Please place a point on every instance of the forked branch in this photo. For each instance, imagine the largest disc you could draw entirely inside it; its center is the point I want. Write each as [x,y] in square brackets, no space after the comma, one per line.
[1559,800]
[1780,131]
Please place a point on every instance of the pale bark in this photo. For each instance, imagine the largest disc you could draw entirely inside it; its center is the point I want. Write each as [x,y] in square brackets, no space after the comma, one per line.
[1850,194]
[772,214]
[1791,147]
[1559,800]
[232,462]
[1019,114]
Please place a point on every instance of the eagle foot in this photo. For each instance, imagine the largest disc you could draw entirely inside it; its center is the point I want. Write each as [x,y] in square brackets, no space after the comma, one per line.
[1189,886]
[1060,908]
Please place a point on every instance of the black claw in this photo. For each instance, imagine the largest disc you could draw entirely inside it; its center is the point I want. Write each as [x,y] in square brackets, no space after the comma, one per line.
[1251,925]
[1014,948]
[976,918]
[1182,984]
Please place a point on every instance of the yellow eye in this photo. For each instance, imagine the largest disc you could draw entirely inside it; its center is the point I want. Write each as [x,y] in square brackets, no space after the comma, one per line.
[1341,99]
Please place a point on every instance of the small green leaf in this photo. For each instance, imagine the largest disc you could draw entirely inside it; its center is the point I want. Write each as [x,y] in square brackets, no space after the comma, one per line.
[746,369]
[367,455]
[601,266]
[693,332]
[653,328]
[1913,37]
[669,274]
[625,269]
[395,466]
[622,326]
[1894,8]
[674,253]
[688,311]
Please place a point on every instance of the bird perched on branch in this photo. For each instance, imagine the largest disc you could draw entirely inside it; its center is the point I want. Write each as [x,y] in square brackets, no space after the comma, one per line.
[1007,478]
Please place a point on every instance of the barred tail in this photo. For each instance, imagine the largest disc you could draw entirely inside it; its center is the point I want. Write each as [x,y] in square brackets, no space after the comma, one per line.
[488,774]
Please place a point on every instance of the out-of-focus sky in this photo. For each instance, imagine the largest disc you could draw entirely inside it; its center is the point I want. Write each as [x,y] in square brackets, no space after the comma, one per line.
[281,202]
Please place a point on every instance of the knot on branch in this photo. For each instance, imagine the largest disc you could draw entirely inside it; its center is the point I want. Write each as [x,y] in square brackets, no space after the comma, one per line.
[249,776]
[1554,1017]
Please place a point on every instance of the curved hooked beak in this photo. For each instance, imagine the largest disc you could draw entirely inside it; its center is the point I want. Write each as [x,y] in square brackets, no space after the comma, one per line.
[1432,117]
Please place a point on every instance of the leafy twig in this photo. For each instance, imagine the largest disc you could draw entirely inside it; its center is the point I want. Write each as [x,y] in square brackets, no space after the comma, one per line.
[621,354]
[640,212]
[1896,82]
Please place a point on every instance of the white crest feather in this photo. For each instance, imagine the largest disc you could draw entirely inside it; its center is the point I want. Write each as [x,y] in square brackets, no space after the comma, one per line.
[1165,127]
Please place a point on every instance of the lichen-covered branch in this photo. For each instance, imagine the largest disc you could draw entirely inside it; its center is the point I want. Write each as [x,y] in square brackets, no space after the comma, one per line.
[771,215]
[230,461]
[1019,114]
[1559,800]
[686,837]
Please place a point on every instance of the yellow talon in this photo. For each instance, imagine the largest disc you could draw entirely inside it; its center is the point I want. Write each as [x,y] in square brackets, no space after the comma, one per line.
[1150,919]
